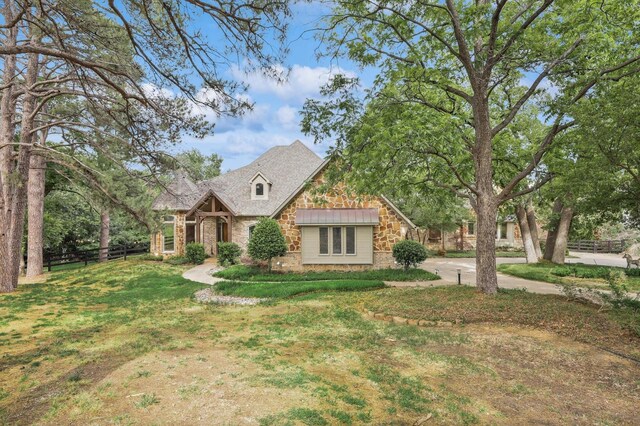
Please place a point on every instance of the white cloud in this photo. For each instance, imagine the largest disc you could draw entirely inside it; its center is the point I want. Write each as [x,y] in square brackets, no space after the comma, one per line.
[288,117]
[298,84]
[274,119]
[151,90]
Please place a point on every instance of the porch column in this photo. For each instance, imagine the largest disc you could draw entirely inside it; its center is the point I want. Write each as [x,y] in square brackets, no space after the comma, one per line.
[198,222]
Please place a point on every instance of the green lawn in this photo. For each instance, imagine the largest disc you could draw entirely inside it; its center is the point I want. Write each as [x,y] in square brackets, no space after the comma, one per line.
[254,274]
[580,274]
[292,288]
[124,342]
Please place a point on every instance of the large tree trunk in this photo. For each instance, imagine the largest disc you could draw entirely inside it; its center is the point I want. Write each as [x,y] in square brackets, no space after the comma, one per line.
[562,236]
[525,233]
[553,230]
[104,235]
[7,106]
[486,204]
[7,131]
[486,274]
[11,236]
[533,229]
[35,218]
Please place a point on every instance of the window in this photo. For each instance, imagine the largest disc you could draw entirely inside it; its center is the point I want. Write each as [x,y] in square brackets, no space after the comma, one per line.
[259,189]
[168,234]
[190,230]
[471,228]
[251,228]
[324,240]
[503,230]
[350,232]
[337,240]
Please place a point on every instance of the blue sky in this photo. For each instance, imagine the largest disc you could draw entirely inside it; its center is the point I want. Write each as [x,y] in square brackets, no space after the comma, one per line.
[275,119]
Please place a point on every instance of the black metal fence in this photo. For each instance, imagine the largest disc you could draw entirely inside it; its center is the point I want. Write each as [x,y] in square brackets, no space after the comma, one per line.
[598,246]
[92,255]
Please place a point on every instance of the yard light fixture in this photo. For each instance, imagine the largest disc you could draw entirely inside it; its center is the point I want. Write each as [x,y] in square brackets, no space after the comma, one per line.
[437,271]
[459,276]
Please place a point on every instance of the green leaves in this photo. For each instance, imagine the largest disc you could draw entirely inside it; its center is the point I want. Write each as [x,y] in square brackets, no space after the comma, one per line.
[267,241]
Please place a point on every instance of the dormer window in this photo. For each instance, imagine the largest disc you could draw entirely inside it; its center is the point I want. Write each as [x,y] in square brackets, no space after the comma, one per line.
[260,187]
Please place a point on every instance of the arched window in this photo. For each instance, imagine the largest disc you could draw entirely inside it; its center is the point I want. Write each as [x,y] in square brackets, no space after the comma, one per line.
[259,189]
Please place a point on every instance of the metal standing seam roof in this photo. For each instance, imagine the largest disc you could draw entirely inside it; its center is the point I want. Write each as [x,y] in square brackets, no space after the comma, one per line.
[307,217]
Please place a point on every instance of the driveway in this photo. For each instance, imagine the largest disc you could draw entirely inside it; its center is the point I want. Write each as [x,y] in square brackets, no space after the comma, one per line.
[603,259]
[448,270]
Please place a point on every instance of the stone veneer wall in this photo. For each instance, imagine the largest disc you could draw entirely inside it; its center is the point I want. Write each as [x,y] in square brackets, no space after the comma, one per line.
[209,235]
[156,239]
[156,244]
[292,262]
[179,234]
[385,235]
[240,231]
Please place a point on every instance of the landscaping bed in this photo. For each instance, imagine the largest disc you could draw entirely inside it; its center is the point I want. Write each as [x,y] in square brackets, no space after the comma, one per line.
[255,274]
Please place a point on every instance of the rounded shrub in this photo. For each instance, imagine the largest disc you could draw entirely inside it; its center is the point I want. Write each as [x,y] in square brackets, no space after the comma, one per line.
[228,253]
[267,241]
[195,253]
[409,253]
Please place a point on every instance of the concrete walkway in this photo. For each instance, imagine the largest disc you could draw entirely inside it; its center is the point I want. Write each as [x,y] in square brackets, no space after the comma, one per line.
[448,270]
[202,273]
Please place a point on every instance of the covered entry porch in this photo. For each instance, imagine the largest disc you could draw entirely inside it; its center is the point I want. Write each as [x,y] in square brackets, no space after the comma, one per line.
[208,223]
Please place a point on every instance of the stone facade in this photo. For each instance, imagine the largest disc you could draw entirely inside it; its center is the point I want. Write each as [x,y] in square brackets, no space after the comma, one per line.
[390,230]
[292,262]
[240,230]
[179,235]
[209,237]
[156,244]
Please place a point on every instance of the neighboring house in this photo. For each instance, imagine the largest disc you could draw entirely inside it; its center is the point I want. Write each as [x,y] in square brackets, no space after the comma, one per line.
[464,237]
[334,229]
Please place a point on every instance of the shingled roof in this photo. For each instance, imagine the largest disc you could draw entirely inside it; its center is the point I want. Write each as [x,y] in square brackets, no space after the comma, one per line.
[286,167]
[181,194]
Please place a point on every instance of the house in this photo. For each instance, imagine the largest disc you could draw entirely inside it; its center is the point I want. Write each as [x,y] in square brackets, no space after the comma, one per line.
[464,237]
[332,229]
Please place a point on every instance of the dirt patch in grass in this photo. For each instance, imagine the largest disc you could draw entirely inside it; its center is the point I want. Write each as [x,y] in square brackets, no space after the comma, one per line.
[581,321]
[193,386]
[542,378]
[127,344]
[34,405]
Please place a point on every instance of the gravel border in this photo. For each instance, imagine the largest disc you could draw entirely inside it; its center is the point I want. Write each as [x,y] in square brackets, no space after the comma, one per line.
[207,295]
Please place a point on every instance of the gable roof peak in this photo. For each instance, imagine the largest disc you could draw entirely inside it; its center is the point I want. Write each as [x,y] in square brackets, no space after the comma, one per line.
[259,173]
[299,144]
